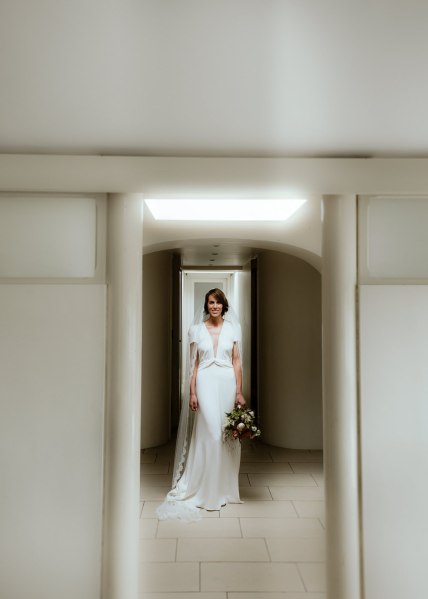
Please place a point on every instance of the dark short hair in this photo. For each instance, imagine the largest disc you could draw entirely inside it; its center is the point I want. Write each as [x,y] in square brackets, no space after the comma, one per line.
[220,297]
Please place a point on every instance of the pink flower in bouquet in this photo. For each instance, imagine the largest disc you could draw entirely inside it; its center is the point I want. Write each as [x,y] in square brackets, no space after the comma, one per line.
[241,426]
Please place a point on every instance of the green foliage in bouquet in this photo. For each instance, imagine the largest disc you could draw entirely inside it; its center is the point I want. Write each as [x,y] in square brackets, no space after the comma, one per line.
[240,424]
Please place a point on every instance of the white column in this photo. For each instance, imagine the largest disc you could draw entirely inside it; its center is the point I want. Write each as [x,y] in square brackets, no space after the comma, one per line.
[339,279]
[123,409]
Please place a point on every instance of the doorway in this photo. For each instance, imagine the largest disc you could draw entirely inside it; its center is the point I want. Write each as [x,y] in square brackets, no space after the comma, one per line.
[236,284]
[270,501]
[275,539]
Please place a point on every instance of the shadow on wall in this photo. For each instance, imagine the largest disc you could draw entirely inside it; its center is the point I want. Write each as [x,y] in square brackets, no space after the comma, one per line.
[290,352]
[156,357]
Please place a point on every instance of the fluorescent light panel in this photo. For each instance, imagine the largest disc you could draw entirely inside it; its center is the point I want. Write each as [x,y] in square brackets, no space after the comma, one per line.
[223,210]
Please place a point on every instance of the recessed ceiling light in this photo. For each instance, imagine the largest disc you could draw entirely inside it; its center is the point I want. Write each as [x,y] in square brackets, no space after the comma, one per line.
[223,210]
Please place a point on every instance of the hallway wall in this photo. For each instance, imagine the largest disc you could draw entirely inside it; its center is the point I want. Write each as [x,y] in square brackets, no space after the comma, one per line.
[241,298]
[156,359]
[290,352]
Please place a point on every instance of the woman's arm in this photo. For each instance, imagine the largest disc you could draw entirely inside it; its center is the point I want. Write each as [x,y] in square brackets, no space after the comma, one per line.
[236,361]
[193,401]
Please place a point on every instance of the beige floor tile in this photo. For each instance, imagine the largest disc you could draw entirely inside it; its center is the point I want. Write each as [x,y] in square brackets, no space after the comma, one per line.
[250,595]
[322,520]
[222,550]
[161,450]
[156,468]
[250,577]
[296,550]
[249,449]
[314,577]
[259,509]
[188,596]
[266,467]
[280,454]
[155,480]
[153,493]
[243,480]
[169,577]
[299,528]
[279,480]
[255,494]
[254,445]
[149,511]
[158,550]
[254,457]
[319,479]
[207,527]
[307,467]
[310,509]
[164,459]
[300,493]
[148,528]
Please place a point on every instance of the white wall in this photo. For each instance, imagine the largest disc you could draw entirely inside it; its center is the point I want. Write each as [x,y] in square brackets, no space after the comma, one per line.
[241,282]
[52,371]
[53,237]
[393,395]
[156,359]
[290,352]
[394,440]
[52,390]
[49,236]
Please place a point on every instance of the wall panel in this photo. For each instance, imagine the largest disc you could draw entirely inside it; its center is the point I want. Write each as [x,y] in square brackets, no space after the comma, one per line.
[52,372]
[394,441]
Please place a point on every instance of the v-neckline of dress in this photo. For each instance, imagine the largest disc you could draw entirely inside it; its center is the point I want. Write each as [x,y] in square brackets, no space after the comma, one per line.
[212,340]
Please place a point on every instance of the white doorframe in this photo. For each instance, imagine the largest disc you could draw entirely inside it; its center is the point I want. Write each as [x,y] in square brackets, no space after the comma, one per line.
[190,278]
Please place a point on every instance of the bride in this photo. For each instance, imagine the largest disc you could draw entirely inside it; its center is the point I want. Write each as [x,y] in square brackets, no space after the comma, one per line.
[206,469]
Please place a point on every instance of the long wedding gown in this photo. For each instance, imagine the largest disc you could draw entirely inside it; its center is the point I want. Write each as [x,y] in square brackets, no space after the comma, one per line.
[210,478]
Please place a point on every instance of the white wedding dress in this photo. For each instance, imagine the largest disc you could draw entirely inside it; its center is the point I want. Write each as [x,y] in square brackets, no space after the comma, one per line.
[211,475]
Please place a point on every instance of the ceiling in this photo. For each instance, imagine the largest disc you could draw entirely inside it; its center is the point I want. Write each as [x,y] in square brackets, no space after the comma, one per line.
[214,78]
[249,78]
[215,243]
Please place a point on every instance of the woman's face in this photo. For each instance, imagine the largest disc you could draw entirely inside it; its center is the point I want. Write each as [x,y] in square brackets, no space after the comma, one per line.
[214,307]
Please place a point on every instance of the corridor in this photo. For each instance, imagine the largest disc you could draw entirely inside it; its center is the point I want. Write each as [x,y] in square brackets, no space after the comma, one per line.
[269,547]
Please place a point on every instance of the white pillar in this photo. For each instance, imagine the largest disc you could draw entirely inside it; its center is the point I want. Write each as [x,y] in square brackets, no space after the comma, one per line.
[123,409]
[339,279]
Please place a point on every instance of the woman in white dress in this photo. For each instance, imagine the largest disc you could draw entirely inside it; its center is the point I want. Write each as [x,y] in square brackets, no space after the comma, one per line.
[206,476]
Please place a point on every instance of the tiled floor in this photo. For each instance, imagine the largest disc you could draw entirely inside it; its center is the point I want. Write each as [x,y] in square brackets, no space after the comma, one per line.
[269,547]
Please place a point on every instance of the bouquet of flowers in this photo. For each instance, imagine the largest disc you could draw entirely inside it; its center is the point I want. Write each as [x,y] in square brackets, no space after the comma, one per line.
[240,424]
